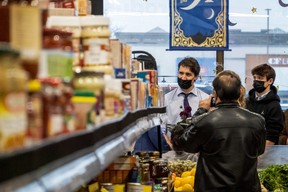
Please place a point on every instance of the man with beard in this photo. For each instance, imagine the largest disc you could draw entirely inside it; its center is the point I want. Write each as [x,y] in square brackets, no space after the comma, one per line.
[263,99]
[183,102]
[178,99]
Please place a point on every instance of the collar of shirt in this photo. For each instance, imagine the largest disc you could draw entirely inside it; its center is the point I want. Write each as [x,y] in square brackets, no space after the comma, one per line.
[173,103]
[179,91]
[258,98]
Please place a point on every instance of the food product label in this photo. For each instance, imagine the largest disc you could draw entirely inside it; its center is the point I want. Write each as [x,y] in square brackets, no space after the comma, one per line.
[55,124]
[56,63]
[13,121]
[98,51]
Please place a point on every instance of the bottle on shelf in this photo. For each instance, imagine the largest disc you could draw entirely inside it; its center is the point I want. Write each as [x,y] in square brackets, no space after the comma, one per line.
[34,109]
[13,96]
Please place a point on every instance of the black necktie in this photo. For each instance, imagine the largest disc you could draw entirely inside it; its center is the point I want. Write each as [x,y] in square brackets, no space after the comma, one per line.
[186,103]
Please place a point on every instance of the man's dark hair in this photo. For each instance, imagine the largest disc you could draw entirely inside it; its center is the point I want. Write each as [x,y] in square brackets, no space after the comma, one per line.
[264,70]
[227,85]
[191,63]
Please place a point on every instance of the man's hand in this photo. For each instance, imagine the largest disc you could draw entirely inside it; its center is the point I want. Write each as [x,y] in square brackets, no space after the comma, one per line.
[205,103]
[176,134]
[269,143]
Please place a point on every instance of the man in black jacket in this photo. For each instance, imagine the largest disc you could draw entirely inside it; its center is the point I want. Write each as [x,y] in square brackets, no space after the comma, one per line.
[229,140]
[263,99]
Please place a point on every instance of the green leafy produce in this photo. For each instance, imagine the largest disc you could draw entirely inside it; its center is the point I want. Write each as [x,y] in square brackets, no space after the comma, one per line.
[275,178]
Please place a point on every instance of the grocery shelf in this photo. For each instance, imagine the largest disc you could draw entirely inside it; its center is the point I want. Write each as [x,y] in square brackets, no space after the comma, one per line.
[65,162]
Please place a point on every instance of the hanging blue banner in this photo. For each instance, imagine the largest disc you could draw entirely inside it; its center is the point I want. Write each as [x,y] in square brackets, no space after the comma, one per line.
[199,25]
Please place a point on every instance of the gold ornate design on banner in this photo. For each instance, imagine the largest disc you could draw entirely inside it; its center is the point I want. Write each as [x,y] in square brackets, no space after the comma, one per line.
[218,40]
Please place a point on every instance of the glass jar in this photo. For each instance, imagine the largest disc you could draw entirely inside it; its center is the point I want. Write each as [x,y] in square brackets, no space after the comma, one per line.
[82,7]
[89,81]
[57,54]
[154,154]
[107,187]
[132,187]
[56,3]
[34,112]
[70,24]
[161,185]
[96,41]
[88,98]
[95,26]
[4,20]
[69,108]
[13,96]
[160,169]
[57,39]
[53,113]
[145,173]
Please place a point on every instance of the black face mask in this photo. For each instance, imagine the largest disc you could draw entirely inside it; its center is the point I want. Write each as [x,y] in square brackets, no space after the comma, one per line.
[259,86]
[184,84]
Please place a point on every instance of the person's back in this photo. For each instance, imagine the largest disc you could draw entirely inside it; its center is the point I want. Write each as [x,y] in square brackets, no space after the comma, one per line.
[230,143]
[228,138]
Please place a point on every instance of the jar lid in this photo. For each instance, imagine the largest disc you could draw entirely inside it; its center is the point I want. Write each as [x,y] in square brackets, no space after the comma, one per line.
[6,50]
[52,32]
[89,73]
[154,153]
[142,154]
[34,85]
[133,184]
[52,81]
[145,165]
[105,184]
[65,21]
[84,93]
[94,20]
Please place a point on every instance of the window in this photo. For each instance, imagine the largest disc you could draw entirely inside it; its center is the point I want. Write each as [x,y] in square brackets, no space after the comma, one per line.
[256,38]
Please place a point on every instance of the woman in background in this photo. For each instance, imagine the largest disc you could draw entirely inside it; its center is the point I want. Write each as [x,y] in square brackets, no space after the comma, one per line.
[241,99]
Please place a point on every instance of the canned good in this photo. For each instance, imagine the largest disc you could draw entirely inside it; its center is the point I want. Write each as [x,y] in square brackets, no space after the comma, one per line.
[107,186]
[134,187]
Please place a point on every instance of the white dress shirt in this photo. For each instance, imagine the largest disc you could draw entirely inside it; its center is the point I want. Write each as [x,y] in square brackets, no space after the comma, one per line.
[174,103]
[258,98]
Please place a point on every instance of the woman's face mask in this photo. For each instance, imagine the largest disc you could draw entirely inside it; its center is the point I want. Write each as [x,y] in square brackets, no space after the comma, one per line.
[259,86]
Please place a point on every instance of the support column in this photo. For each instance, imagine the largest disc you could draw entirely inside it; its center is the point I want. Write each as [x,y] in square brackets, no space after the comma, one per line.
[219,61]
[97,7]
